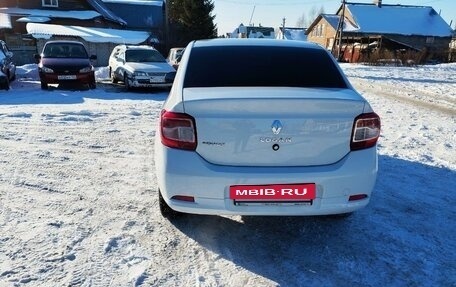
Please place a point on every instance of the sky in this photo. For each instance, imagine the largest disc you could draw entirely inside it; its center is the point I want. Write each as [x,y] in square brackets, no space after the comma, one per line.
[230,13]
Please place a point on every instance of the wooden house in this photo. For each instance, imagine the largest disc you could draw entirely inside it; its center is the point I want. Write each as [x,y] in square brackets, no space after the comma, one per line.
[381,30]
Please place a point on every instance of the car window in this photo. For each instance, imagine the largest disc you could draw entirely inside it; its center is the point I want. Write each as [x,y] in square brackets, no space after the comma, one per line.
[249,66]
[137,55]
[64,50]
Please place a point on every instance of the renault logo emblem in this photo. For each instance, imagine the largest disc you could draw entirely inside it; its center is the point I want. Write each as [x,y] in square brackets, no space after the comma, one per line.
[276,127]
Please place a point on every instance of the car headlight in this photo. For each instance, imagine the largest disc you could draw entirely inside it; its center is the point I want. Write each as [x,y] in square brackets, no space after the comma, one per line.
[86,70]
[170,77]
[140,74]
[47,70]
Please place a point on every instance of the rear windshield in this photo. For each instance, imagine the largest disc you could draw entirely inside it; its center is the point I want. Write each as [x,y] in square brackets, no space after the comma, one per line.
[65,50]
[141,56]
[260,66]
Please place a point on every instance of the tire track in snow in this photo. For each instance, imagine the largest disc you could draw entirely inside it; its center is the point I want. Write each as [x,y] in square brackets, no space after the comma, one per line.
[396,92]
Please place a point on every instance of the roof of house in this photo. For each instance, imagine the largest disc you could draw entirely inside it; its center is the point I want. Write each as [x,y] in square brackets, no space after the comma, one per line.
[297,34]
[254,31]
[333,20]
[137,2]
[106,12]
[99,7]
[83,15]
[398,19]
[139,14]
[92,35]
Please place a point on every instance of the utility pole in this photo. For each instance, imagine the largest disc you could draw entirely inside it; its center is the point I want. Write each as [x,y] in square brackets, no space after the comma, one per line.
[339,32]
[283,28]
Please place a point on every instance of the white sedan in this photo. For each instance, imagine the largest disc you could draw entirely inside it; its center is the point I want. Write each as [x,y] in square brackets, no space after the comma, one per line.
[264,127]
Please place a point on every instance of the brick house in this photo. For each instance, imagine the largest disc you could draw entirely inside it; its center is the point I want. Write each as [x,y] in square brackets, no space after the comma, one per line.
[370,29]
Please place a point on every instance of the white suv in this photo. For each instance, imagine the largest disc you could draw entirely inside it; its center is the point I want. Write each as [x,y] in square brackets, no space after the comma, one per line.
[258,136]
[140,66]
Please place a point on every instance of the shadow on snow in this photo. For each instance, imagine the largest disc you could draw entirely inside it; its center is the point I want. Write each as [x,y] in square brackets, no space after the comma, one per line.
[403,238]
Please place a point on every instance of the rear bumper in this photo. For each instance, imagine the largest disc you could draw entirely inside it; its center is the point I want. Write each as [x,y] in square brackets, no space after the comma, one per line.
[186,173]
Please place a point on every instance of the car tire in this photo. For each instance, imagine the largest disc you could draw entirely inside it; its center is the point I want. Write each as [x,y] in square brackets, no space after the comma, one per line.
[93,85]
[165,210]
[127,85]
[112,76]
[44,85]
[13,78]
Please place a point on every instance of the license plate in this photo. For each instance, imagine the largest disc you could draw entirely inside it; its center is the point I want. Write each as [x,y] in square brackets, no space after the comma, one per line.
[66,77]
[273,192]
[157,79]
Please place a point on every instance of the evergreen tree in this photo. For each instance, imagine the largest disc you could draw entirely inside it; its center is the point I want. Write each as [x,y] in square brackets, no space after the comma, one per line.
[190,20]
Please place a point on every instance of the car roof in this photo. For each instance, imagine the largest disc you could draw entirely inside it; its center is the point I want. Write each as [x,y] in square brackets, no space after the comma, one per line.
[136,47]
[255,42]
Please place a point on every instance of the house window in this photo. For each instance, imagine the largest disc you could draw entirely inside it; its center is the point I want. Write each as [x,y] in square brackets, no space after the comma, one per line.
[429,40]
[317,31]
[50,3]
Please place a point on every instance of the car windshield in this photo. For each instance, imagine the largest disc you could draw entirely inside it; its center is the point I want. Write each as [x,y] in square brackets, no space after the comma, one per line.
[140,56]
[250,66]
[65,50]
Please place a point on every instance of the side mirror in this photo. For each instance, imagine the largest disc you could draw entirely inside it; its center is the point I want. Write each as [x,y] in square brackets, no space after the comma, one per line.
[9,54]
[93,57]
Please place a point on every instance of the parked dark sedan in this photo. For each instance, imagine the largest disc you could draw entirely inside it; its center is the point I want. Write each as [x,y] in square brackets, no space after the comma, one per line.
[7,66]
[65,62]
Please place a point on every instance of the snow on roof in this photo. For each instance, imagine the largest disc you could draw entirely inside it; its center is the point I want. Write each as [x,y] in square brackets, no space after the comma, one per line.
[292,34]
[92,35]
[399,19]
[34,19]
[5,21]
[333,20]
[108,14]
[83,15]
[136,2]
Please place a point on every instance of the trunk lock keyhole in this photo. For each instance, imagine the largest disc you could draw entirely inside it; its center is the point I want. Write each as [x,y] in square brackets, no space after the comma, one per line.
[275,147]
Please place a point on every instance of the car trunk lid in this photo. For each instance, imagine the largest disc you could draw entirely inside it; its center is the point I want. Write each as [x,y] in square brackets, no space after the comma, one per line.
[273,126]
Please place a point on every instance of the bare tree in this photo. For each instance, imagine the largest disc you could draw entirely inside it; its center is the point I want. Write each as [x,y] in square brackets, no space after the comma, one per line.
[306,19]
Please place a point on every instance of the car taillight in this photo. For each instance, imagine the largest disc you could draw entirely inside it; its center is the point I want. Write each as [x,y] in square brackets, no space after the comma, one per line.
[178,130]
[366,131]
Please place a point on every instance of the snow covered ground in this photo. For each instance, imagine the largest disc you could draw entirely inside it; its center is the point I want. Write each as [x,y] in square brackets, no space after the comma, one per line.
[78,198]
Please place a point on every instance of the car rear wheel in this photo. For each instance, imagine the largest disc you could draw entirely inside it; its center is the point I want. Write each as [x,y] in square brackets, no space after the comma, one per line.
[165,210]
[44,85]
[93,85]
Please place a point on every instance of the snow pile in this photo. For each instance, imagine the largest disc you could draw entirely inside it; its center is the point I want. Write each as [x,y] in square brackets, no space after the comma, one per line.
[78,198]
